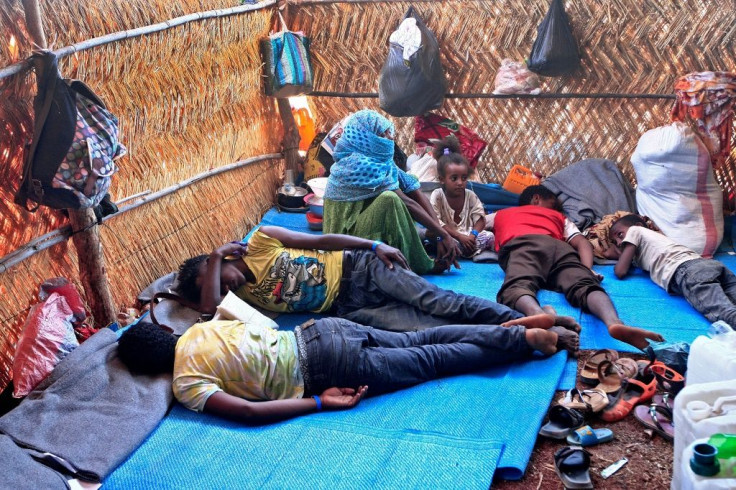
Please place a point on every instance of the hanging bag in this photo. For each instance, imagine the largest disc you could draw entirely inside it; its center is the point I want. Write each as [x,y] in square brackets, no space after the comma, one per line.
[70,161]
[555,52]
[287,65]
[412,80]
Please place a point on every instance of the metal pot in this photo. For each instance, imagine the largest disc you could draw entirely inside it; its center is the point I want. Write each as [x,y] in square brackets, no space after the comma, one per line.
[291,197]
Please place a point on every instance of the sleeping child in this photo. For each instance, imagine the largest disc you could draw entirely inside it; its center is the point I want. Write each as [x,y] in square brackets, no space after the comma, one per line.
[708,285]
[458,209]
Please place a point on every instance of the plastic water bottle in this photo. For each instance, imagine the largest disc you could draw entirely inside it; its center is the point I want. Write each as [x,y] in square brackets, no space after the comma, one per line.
[726,445]
[719,328]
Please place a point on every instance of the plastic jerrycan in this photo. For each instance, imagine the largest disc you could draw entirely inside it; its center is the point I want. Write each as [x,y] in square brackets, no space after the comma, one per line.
[712,359]
[725,479]
[700,411]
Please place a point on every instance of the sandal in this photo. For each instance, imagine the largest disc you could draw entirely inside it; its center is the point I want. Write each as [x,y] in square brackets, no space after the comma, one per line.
[589,372]
[633,391]
[572,465]
[668,379]
[611,374]
[657,418]
[666,400]
[593,400]
[562,421]
[587,436]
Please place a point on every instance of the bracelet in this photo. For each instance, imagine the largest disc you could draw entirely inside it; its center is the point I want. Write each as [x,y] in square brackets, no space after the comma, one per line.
[474,233]
[319,403]
[375,245]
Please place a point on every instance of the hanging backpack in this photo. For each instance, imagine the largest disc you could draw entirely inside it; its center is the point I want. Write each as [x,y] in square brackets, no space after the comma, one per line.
[554,52]
[70,161]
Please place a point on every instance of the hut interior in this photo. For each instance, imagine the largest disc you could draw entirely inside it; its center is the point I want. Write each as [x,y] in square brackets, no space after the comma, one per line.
[207,148]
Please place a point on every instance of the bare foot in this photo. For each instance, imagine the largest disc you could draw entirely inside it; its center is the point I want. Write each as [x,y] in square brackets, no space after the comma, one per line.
[637,337]
[563,321]
[544,341]
[540,320]
[549,309]
[567,339]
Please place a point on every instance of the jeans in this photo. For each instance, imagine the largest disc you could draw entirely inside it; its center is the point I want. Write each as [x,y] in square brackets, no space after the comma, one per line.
[709,286]
[398,299]
[341,353]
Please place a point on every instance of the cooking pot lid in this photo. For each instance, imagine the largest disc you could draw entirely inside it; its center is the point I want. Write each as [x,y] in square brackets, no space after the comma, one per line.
[293,190]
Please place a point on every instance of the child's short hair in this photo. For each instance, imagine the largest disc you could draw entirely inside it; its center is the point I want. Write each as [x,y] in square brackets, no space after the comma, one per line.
[535,190]
[146,348]
[186,278]
[447,151]
[629,220]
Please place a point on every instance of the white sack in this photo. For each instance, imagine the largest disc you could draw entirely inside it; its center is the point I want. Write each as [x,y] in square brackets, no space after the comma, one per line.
[676,187]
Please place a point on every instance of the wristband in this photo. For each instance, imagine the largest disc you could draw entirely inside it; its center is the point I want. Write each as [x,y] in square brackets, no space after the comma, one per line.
[319,403]
[375,245]
[474,233]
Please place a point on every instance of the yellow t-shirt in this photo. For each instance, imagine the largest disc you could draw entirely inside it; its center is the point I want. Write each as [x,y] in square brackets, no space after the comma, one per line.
[251,362]
[290,279]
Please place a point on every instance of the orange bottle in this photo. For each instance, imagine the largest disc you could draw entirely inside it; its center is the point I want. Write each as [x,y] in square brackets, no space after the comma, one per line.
[305,124]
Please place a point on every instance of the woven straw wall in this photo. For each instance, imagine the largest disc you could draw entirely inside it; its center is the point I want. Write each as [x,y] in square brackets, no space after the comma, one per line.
[189,99]
[628,46]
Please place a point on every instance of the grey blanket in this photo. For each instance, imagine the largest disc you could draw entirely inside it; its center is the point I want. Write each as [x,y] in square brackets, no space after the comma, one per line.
[89,414]
[590,189]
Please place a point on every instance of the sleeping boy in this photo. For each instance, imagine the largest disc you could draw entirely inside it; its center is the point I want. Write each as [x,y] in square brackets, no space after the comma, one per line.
[364,281]
[708,285]
[540,248]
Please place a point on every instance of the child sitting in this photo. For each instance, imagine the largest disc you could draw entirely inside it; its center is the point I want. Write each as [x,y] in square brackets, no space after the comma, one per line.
[540,248]
[708,285]
[458,210]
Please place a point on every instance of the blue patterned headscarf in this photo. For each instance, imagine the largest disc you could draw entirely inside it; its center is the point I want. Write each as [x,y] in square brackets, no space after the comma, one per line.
[364,165]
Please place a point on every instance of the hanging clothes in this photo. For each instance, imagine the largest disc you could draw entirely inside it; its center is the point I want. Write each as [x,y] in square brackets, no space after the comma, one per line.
[708,98]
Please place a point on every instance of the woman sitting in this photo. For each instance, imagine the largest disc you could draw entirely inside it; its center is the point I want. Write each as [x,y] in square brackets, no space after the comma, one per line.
[368,196]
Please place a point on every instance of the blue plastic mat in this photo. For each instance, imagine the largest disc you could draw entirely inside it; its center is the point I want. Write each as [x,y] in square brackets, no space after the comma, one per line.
[314,452]
[638,300]
[449,433]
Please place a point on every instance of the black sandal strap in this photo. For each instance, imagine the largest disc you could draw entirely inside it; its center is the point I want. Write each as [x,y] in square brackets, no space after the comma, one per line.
[654,408]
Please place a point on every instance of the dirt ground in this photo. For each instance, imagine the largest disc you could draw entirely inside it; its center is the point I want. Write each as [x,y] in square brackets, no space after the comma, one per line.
[649,466]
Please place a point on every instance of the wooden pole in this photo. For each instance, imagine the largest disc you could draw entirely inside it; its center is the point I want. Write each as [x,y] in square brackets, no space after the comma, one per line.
[291,136]
[86,240]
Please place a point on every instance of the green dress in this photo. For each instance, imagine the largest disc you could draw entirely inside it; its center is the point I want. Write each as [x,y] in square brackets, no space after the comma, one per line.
[384,217]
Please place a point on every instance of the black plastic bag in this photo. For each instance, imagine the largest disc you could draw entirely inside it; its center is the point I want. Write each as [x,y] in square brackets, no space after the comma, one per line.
[555,52]
[417,85]
[674,355]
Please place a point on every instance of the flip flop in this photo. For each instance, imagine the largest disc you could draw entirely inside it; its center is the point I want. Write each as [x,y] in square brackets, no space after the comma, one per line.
[562,421]
[589,372]
[572,465]
[657,418]
[588,436]
[633,391]
[666,400]
[593,400]
[611,374]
